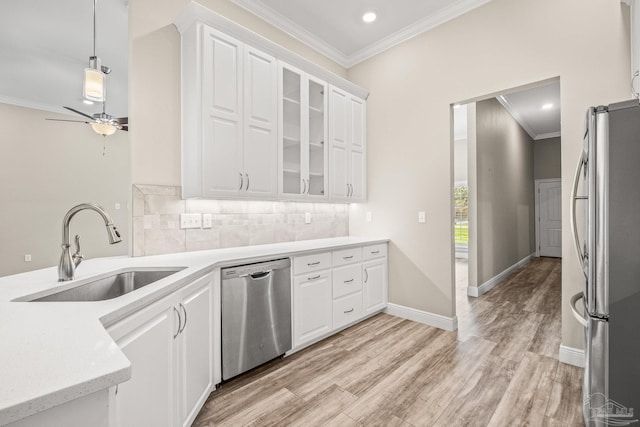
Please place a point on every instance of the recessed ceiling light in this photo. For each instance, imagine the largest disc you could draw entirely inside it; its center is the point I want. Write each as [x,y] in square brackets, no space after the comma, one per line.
[547,106]
[86,101]
[369,17]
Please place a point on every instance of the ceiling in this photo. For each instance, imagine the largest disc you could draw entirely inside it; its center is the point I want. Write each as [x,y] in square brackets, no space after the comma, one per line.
[335,27]
[45,46]
[526,107]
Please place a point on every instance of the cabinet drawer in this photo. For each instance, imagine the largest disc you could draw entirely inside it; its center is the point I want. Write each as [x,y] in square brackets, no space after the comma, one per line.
[347,309]
[315,262]
[347,280]
[374,251]
[347,256]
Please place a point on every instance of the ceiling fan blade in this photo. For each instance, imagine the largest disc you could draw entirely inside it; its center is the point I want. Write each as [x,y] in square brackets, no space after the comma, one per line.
[79,112]
[124,128]
[74,121]
[123,120]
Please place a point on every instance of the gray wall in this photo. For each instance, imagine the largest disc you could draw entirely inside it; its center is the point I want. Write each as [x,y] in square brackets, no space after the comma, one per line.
[505,196]
[546,158]
[46,168]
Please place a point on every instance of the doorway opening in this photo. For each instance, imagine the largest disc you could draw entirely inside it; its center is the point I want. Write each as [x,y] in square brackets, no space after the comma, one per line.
[506,186]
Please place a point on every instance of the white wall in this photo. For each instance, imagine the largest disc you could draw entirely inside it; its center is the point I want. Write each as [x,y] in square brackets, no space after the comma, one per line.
[48,167]
[501,45]
[154,89]
[547,157]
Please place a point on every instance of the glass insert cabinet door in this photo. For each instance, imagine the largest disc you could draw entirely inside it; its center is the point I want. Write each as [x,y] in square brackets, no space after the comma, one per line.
[303,131]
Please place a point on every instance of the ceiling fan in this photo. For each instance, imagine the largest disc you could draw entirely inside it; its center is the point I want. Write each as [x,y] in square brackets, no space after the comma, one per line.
[101,123]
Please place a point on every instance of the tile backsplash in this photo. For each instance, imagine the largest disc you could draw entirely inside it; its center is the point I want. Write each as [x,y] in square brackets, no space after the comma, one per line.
[156,221]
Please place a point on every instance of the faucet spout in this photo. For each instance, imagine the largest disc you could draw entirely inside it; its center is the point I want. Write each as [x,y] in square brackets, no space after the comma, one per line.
[68,262]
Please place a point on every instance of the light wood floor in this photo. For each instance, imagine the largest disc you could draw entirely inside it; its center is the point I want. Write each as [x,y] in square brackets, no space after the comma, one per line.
[499,369]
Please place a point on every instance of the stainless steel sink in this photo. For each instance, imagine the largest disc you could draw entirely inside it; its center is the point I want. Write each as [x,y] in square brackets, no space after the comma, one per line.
[111,286]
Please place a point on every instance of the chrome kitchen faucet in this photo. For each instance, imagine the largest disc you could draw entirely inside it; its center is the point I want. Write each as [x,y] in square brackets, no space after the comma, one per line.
[68,262]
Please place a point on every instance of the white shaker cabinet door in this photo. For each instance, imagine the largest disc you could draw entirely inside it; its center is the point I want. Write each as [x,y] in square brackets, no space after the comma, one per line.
[338,145]
[374,276]
[222,114]
[196,348]
[357,159]
[260,125]
[147,340]
[313,315]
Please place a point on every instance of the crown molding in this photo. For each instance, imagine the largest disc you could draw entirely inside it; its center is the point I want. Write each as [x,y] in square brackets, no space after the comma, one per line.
[502,100]
[547,136]
[450,12]
[294,30]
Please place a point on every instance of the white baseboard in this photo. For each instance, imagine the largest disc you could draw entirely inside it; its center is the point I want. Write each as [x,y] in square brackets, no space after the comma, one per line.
[431,319]
[571,356]
[476,291]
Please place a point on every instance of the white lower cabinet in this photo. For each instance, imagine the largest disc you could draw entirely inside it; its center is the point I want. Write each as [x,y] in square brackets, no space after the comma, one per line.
[170,346]
[374,285]
[312,316]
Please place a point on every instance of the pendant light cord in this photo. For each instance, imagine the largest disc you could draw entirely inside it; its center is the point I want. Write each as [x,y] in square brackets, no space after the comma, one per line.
[95,3]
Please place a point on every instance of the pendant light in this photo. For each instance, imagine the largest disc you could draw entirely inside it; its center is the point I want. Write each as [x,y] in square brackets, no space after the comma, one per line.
[94,87]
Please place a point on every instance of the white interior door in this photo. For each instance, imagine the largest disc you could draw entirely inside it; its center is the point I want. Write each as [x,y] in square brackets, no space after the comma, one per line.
[549,218]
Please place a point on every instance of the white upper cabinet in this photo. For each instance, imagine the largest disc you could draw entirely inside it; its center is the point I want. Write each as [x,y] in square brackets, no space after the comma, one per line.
[347,139]
[235,154]
[302,135]
[262,123]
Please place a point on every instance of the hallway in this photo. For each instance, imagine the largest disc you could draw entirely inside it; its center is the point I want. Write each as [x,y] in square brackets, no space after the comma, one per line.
[500,369]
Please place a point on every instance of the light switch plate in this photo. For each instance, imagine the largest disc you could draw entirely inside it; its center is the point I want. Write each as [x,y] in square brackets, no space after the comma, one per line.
[369,216]
[307,218]
[192,220]
[422,217]
[207,221]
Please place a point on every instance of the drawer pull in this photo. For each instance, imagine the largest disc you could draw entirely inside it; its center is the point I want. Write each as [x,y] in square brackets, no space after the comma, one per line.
[375,252]
[348,281]
[314,277]
[310,264]
[347,257]
[348,311]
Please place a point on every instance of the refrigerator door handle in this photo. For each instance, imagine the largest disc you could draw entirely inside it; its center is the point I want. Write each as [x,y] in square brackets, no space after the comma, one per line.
[580,318]
[572,216]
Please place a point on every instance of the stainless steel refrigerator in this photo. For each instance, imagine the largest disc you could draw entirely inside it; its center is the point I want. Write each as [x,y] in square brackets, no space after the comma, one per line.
[607,236]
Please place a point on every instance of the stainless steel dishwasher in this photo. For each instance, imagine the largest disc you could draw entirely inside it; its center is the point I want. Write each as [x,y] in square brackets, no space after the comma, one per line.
[256,315]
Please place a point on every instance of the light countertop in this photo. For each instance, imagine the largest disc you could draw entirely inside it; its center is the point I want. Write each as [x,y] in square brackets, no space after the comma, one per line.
[55,352]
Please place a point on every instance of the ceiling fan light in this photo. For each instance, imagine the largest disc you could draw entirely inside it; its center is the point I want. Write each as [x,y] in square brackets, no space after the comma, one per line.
[94,85]
[104,129]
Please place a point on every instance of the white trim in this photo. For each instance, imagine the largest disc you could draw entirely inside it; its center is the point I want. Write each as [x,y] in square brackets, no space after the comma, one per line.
[448,13]
[476,291]
[197,13]
[536,220]
[516,116]
[571,356]
[34,105]
[431,319]
[547,136]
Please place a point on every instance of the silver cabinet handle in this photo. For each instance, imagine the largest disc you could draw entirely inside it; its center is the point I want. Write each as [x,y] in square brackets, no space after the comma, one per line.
[310,264]
[116,393]
[179,323]
[366,276]
[314,277]
[375,252]
[185,317]
[241,181]
[572,214]
[348,281]
[574,310]
[351,194]
[308,186]
[348,189]
[304,182]
[247,175]
[347,257]
[348,311]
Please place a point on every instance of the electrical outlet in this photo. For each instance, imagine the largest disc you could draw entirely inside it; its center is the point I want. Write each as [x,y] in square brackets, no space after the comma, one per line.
[207,221]
[27,258]
[193,220]
[422,217]
[307,218]
[369,216]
